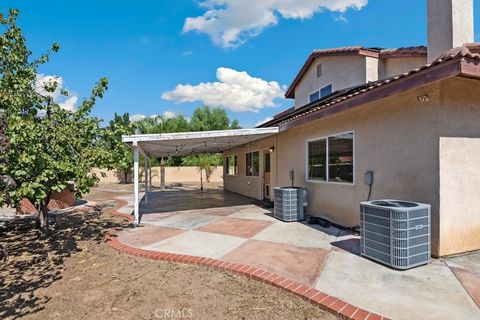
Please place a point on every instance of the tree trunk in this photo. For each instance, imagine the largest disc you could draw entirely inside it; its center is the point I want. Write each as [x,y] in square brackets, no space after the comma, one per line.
[126,177]
[201,180]
[43,217]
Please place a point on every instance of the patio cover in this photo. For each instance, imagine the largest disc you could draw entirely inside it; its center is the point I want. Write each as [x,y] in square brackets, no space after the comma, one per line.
[184,143]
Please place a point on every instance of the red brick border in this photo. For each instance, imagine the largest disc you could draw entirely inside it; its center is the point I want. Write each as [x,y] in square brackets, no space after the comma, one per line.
[320,299]
[114,211]
[324,301]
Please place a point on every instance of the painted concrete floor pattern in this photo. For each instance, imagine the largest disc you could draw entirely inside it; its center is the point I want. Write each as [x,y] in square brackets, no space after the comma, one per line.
[325,259]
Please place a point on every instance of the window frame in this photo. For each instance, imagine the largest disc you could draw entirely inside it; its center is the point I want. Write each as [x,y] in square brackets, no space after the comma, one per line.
[246,164]
[311,94]
[235,166]
[307,178]
[319,90]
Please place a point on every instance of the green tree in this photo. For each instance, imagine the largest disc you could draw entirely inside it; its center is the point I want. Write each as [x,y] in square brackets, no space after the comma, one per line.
[204,163]
[49,146]
[203,119]
[159,124]
[6,182]
[208,119]
[121,156]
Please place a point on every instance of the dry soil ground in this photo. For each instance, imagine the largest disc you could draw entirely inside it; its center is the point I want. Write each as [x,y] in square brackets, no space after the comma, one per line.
[73,274]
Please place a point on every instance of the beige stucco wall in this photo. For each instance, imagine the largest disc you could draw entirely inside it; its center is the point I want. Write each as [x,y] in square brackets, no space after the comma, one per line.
[399,139]
[172,175]
[347,71]
[459,194]
[390,140]
[343,72]
[459,166]
[396,66]
[252,186]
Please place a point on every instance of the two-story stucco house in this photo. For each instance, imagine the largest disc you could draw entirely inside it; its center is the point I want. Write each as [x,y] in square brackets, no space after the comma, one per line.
[409,115]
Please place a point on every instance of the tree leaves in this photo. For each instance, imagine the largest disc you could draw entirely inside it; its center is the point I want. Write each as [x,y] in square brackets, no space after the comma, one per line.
[46,147]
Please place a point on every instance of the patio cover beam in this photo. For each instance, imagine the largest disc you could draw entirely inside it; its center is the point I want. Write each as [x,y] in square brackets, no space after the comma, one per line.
[186,143]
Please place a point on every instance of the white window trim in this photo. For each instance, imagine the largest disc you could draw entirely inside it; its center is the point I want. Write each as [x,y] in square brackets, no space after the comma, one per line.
[259,164]
[326,181]
[226,167]
[328,84]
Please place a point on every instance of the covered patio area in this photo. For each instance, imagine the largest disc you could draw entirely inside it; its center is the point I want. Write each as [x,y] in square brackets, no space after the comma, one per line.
[159,146]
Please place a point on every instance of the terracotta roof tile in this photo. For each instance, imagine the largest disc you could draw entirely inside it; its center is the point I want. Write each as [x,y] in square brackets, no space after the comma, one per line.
[420,51]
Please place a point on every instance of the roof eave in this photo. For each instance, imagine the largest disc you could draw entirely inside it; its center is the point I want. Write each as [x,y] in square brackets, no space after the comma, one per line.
[424,77]
[470,68]
[290,93]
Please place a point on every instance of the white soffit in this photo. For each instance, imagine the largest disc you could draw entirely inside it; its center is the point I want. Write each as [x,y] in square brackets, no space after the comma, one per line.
[185,143]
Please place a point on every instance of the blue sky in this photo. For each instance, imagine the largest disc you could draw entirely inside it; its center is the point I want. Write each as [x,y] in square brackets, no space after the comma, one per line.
[146,47]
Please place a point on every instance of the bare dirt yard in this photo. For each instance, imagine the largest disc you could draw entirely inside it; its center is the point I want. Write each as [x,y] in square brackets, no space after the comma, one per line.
[73,274]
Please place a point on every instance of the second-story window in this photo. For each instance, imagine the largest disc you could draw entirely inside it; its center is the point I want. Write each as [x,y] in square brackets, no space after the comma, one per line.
[314,96]
[325,91]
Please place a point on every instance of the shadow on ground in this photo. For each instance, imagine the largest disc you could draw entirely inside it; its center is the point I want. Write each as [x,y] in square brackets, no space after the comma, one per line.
[181,200]
[36,261]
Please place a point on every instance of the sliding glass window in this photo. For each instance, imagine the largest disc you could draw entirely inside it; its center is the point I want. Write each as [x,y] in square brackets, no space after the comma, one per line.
[337,152]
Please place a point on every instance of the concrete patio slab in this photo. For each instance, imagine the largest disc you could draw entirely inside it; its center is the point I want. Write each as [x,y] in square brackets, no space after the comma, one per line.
[179,200]
[324,258]
[300,264]
[253,213]
[222,211]
[152,217]
[431,291]
[148,234]
[296,234]
[186,220]
[242,228]
[470,261]
[196,243]
[470,281]
[347,241]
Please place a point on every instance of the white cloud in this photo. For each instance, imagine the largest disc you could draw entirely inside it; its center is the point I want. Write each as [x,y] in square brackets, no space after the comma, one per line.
[169,114]
[263,121]
[137,117]
[234,90]
[230,23]
[68,103]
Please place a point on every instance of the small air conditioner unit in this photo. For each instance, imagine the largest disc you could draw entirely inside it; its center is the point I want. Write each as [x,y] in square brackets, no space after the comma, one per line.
[396,233]
[289,203]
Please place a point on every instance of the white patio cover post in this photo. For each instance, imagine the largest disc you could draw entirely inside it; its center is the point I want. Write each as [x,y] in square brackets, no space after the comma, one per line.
[149,175]
[145,174]
[136,184]
[162,174]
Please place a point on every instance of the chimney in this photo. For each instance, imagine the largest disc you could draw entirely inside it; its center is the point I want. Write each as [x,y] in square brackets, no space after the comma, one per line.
[450,25]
